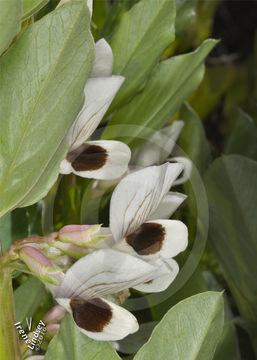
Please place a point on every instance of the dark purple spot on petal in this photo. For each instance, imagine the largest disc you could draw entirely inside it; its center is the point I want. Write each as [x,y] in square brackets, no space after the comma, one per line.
[87,157]
[91,315]
[147,239]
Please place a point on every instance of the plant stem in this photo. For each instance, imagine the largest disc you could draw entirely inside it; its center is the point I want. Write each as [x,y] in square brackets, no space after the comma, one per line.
[9,343]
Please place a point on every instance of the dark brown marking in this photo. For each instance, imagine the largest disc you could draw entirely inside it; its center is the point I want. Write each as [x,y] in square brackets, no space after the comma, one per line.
[149,282]
[182,171]
[92,315]
[147,239]
[87,157]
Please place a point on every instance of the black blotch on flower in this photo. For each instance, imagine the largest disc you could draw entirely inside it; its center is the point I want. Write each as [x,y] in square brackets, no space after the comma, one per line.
[91,315]
[87,157]
[147,239]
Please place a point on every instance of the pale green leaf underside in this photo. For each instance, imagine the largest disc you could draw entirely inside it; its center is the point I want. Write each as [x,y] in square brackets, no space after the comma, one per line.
[30,7]
[231,187]
[170,84]
[10,21]
[42,79]
[71,344]
[137,43]
[189,331]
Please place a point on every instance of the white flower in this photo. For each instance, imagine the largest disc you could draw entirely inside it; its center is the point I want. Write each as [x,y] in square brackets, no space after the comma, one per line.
[158,149]
[101,159]
[137,204]
[95,276]
[141,257]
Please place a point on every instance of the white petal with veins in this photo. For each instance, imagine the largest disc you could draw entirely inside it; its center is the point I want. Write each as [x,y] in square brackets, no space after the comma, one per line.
[103,59]
[187,169]
[105,272]
[99,93]
[168,206]
[163,282]
[138,195]
[157,149]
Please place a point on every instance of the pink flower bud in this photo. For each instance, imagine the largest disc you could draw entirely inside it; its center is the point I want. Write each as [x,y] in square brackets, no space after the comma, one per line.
[40,265]
[81,235]
[52,330]
[54,315]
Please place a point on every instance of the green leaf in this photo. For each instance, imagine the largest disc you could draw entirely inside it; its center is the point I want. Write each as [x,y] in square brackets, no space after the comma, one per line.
[133,342]
[71,344]
[217,81]
[10,22]
[30,7]
[171,82]
[42,79]
[6,232]
[193,140]
[185,13]
[138,41]
[190,330]
[231,187]
[194,145]
[228,346]
[28,297]
[243,137]
[174,294]
[13,226]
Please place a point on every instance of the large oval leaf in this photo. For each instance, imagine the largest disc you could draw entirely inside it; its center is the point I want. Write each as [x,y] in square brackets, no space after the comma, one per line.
[71,344]
[42,79]
[189,331]
[138,41]
[171,82]
[30,7]
[10,21]
[232,194]
[28,297]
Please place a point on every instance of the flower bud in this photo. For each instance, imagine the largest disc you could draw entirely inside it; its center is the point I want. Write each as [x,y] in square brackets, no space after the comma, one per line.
[54,315]
[72,250]
[52,330]
[81,235]
[40,265]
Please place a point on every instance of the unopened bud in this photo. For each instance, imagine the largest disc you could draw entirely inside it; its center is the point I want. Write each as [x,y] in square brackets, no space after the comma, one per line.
[54,315]
[72,250]
[40,265]
[81,235]
[52,330]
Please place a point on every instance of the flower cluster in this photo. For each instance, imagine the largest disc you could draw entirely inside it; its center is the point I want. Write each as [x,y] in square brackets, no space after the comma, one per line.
[83,265]
[138,253]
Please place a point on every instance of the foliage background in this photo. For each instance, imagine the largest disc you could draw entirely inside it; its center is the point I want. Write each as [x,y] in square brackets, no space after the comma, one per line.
[219,136]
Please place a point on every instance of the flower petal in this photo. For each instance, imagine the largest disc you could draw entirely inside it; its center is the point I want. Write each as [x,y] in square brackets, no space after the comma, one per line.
[102,159]
[157,149]
[168,206]
[100,319]
[103,59]
[163,282]
[138,195]
[105,272]
[158,238]
[99,93]
[186,173]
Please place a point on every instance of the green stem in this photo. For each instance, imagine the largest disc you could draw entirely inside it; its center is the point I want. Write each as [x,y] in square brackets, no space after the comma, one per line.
[9,343]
